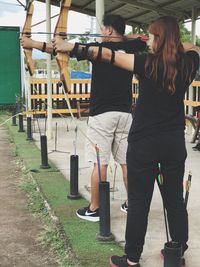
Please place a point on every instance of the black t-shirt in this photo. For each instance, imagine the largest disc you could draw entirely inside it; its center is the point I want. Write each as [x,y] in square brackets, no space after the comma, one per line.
[157,110]
[111,87]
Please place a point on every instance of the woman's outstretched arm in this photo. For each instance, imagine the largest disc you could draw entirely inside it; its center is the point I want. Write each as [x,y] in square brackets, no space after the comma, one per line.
[119,59]
[191,47]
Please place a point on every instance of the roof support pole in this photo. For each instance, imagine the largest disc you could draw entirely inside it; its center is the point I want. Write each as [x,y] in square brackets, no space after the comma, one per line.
[193,32]
[49,90]
[99,14]
[194,17]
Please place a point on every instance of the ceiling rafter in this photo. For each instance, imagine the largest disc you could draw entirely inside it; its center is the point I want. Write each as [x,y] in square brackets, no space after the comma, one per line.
[86,11]
[87,4]
[142,14]
[158,8]
[117,8]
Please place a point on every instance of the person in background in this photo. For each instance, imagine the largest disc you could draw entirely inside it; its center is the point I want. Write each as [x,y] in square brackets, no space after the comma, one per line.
[156,141]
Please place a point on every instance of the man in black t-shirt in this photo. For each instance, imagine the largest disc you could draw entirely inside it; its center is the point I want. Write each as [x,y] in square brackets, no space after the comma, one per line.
[110,110]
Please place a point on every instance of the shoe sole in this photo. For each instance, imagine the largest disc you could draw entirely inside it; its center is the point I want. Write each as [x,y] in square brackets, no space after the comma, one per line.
[112,264]
[88,218]
[123,210]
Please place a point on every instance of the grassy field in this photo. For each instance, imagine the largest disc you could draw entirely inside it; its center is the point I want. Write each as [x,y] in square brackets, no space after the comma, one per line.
[74,240]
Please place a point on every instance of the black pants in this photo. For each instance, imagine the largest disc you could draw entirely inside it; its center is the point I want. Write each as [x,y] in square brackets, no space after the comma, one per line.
[143,157]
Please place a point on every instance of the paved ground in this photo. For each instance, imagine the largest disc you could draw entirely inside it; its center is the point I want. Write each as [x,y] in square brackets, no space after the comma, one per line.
[18,228]
[155,237]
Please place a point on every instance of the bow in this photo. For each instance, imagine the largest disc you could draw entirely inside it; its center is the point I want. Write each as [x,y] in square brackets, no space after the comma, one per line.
[62,58]
[27,32]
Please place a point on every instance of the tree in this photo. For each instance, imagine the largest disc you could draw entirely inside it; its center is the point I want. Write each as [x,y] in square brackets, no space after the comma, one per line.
[185,33]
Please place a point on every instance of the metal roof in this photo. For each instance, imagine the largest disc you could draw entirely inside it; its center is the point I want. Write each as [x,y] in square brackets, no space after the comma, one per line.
[138,12]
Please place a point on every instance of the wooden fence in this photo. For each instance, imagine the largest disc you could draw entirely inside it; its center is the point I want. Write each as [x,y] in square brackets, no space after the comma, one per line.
[80,95]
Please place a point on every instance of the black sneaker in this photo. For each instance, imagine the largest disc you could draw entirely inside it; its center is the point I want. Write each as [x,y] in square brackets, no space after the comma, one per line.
[87,214]
[182,259]
[124,207]
[197,147]
[116,261]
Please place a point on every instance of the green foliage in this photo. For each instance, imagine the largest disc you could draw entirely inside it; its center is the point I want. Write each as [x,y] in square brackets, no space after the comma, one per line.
[198,41]
[185,33]
[40,63]
[82,65]
[84,39]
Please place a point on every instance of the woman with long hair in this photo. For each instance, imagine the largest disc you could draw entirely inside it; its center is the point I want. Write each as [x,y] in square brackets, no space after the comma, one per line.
[156,139]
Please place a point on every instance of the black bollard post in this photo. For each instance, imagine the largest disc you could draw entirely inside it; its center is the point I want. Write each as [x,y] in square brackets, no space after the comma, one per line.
[104,212]
[29,129]
[14,120]
[21,124]
[44,154]
[74,194]
[172,254]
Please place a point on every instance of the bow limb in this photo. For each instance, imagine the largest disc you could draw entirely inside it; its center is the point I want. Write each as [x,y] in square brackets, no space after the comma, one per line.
[27,32]
[62,58]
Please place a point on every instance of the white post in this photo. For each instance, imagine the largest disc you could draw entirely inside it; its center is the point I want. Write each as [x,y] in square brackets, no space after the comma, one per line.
[28,88]
[93,30]
[49,90]
[99,14]
[193,31]
[191,93]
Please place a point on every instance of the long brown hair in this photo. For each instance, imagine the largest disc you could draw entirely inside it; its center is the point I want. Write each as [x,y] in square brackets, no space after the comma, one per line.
[166,47]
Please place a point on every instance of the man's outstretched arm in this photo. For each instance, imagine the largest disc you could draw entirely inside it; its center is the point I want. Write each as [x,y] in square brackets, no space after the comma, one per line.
[28,43]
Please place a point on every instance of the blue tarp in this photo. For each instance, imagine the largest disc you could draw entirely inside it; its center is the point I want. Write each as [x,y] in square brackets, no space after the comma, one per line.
[80,75]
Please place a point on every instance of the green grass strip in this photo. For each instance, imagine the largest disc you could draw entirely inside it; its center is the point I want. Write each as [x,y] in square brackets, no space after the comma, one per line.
[81,235]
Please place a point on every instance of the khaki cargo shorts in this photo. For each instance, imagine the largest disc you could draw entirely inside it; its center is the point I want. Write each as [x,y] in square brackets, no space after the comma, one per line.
[109,131]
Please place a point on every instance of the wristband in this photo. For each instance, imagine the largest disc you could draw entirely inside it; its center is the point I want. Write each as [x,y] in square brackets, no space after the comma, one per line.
[54,52]
[112,60]
[73,53]
[44,47]
[99,53]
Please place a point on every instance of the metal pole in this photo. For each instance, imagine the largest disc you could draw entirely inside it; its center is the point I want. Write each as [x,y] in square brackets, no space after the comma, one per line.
[49,90]
[193,30]
[14,120]
[21,125]
[29,129]
[104,212]
[99,14]
[191,91]
[44,154]
[74,178]
[28,88]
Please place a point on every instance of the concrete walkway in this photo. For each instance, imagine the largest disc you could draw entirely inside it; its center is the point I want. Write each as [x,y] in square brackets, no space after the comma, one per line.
[156,236]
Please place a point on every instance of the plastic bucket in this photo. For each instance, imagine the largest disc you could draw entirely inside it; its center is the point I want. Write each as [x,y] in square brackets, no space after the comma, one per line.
[172,254]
